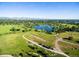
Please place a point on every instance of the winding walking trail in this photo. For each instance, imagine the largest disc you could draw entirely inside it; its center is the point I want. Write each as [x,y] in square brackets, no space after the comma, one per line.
[6,56]
[57,47]
[69,42]
[60,39]
[39,38]
[44,47]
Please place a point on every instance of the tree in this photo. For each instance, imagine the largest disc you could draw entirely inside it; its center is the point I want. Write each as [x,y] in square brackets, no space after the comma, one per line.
[17,29]
[23,30]
[12,29]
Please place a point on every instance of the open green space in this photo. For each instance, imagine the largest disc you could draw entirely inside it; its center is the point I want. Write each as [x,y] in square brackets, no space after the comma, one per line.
[71,50]
[5,29]
[74,36]
[14,44]
[49,39]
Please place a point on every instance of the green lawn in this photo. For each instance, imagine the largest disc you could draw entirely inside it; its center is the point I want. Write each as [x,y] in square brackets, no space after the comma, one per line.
[14,44]
[6,28]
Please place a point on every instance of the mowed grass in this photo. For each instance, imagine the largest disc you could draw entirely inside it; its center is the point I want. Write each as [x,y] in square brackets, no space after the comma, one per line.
[6,28]
[71,50]
[49,38]
[75,36]
[13,44]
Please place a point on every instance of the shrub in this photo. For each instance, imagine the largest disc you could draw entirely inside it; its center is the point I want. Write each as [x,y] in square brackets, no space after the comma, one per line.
[23,30]
[77,41]
[32,54]
[70,38]
[32,47]
[17,29]
[21,54]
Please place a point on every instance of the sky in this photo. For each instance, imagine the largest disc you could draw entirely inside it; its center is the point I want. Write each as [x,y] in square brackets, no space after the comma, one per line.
[46,10]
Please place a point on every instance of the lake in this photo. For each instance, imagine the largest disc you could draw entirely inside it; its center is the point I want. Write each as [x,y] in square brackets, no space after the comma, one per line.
[46,28]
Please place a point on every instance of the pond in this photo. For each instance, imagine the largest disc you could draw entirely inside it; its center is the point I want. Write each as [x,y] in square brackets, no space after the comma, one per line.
[46,28]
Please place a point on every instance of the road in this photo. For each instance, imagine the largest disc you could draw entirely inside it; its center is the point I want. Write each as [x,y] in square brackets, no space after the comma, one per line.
[44,47]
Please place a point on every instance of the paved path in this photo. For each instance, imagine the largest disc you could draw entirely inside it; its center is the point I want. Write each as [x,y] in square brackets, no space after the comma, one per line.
[44,47]
[6,56]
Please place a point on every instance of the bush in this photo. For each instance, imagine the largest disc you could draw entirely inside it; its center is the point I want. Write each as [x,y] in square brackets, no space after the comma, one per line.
[32,54]
[15,55]
[42,53]
[17,29]
[36,30]
[23,30]
[32,47]
[70,38]
[12,29]
[77,41]
[21,54]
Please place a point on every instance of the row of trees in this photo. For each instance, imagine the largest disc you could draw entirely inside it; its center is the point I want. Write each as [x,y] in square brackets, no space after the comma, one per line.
[63,28]
[16,29]
[30,23]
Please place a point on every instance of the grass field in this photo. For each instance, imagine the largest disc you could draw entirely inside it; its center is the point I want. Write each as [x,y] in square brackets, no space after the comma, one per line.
[71,50]
[14,44]
[75,36]
[49,38]
[6,28]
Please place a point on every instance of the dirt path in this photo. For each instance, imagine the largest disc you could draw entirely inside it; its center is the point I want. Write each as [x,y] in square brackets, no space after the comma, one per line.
[56,43]
[70,43]
[60,39]
[57,47]
[44,47]
[39,38]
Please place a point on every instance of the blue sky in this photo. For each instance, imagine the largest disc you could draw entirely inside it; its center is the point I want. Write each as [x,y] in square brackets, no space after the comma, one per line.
[51,10]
